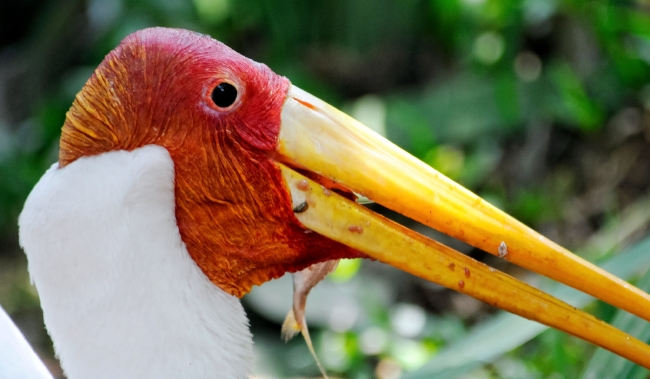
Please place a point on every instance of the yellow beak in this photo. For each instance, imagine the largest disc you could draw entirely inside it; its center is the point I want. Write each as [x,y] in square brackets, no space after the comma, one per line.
[318,138]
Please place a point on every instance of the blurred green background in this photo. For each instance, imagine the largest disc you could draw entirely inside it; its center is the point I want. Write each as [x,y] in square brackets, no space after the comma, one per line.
[540,106]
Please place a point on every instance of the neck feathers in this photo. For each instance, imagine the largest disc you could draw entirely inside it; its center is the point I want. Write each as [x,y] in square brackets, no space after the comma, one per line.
[121,296]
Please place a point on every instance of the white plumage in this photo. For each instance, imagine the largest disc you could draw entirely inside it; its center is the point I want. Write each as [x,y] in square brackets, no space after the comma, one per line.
[17,359]
[120,294]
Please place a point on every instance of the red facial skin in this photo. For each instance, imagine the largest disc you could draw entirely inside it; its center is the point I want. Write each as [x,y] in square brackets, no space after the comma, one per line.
[232,208]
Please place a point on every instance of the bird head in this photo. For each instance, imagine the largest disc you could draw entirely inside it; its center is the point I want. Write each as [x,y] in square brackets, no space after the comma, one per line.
[266,176]
[219,116]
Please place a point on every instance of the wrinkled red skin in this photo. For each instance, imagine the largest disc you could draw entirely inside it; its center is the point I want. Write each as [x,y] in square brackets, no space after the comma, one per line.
[232,208]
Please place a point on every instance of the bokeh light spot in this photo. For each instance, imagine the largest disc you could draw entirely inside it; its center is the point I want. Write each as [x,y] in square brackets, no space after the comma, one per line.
[489,47]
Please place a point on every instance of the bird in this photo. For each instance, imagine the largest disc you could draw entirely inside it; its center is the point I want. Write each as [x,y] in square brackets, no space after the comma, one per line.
[188,173]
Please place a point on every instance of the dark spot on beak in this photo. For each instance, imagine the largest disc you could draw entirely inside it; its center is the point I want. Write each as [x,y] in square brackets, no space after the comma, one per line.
[301,207]
[461,284]
[452,266]
[467,273]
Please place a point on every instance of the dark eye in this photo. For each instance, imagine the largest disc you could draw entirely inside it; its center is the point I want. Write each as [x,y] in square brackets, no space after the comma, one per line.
[224,95]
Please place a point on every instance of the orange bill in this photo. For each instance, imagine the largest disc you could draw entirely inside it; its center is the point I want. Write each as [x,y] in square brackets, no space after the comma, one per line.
[339,152]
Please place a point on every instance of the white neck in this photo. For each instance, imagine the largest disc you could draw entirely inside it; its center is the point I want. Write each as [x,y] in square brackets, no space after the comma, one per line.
[120,294]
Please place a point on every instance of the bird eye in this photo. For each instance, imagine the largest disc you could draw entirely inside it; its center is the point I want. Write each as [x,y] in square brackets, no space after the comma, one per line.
[224,95]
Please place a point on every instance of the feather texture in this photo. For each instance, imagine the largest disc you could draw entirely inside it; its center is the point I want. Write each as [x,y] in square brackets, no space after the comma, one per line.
[17,359]
[121,296]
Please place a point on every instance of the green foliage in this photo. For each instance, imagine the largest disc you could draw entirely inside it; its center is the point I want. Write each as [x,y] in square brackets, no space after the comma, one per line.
[604,364]
[553,351]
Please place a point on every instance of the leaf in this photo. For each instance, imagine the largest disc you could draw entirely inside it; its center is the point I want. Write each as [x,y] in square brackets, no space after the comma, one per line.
[604,364]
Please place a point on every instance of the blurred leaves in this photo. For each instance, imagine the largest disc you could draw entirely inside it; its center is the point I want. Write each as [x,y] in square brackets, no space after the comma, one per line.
[488,341]
[605,364]
[346,270]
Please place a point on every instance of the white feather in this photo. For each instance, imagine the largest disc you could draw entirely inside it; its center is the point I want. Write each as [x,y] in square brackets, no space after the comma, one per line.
[120,294]
[17,359]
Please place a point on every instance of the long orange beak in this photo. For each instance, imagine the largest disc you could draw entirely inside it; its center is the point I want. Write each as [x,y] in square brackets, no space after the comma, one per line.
[318,138]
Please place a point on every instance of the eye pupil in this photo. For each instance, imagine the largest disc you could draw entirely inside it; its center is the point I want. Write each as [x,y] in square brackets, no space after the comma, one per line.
[224,95]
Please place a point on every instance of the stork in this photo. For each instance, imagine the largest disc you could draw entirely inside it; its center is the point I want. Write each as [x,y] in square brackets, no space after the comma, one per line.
[188,173]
